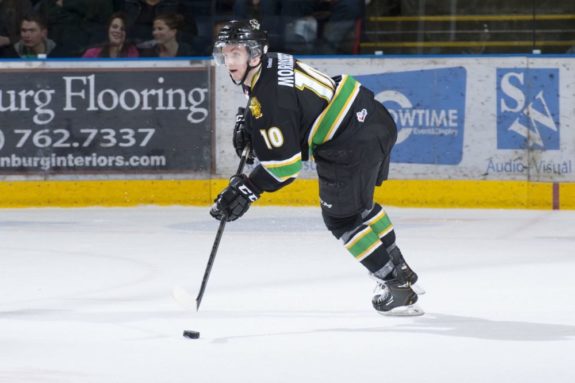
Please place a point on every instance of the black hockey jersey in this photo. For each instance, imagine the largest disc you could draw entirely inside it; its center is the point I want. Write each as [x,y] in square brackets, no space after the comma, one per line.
[292,108]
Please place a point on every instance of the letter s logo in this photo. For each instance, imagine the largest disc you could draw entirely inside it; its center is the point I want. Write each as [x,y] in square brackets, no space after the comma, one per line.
[513,92]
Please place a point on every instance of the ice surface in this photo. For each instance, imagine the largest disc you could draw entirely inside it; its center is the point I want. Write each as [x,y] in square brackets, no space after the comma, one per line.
[86,297]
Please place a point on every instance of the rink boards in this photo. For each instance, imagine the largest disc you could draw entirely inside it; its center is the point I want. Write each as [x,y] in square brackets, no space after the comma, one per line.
[303,192]
[474,131]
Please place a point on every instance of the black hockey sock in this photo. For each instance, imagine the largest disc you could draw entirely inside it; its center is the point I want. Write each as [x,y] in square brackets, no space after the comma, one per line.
[385,273]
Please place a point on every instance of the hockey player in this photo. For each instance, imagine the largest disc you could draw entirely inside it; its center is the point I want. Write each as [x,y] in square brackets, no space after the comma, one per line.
[294,111]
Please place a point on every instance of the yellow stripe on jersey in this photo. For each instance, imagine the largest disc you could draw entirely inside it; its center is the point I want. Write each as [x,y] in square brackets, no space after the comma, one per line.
[326,125]
[342,112]
[256,77]
[285,169]
[322,77]
[305,81]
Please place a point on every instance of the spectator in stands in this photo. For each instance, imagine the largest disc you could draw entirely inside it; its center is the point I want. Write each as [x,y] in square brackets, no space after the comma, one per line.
[118,5]
[291,24]
[165,43]
[204,24]
[97,19]
[116,46]
[189,31]
[141,14]
[11,14]
[72,22]
[340,28]
[300,25]
[248,9]
[34,41]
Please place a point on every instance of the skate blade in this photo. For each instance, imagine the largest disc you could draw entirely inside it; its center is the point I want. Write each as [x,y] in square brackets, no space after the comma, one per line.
[404,311]
[418,289]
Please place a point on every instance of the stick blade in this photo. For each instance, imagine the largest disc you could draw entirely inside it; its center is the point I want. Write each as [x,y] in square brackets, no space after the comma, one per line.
[200,295]
[184,298]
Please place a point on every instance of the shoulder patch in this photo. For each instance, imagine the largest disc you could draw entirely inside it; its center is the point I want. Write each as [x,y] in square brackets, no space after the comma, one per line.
[361,115]
[255,108]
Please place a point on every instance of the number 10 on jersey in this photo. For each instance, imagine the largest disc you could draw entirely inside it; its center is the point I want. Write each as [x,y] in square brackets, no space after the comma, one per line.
[273,137]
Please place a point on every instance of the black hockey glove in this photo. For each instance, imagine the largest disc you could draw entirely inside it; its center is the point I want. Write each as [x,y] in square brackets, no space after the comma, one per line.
[241,136]
[234,200]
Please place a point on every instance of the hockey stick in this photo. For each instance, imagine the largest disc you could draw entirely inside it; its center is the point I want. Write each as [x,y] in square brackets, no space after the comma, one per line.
[219,233]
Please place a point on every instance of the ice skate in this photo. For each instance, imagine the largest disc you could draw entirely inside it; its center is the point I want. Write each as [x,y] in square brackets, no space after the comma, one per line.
[395,298]
[407,272]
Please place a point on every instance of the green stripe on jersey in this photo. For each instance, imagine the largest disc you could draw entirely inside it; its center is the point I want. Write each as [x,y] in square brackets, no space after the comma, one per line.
[328,122]
[282,170]
[363,244]
[381,224]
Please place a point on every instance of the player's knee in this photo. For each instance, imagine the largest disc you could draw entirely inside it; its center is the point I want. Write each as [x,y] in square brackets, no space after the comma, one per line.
[340,225]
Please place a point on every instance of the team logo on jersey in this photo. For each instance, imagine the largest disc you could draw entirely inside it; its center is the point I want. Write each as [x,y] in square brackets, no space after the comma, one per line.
[255,24]
[528,108]
[255,108]
[361,115]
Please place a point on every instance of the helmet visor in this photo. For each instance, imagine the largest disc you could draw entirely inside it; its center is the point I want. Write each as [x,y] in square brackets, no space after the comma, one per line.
[230,53]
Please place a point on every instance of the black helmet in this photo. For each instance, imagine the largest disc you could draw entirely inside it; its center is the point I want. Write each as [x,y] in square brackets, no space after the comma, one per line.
[245,32]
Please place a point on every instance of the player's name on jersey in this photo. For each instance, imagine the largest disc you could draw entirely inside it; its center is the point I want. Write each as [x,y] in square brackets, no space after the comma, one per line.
[285,70]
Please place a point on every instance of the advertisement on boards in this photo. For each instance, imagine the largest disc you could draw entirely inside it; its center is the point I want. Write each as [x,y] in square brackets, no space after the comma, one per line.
[460,118]
[105,121]
[529,119]
[428,107]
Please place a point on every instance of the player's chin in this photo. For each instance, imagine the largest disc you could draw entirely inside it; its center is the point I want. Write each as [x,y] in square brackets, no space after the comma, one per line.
[235,75]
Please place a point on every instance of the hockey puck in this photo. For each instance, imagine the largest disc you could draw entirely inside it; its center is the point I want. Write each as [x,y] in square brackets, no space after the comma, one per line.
[191,334]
